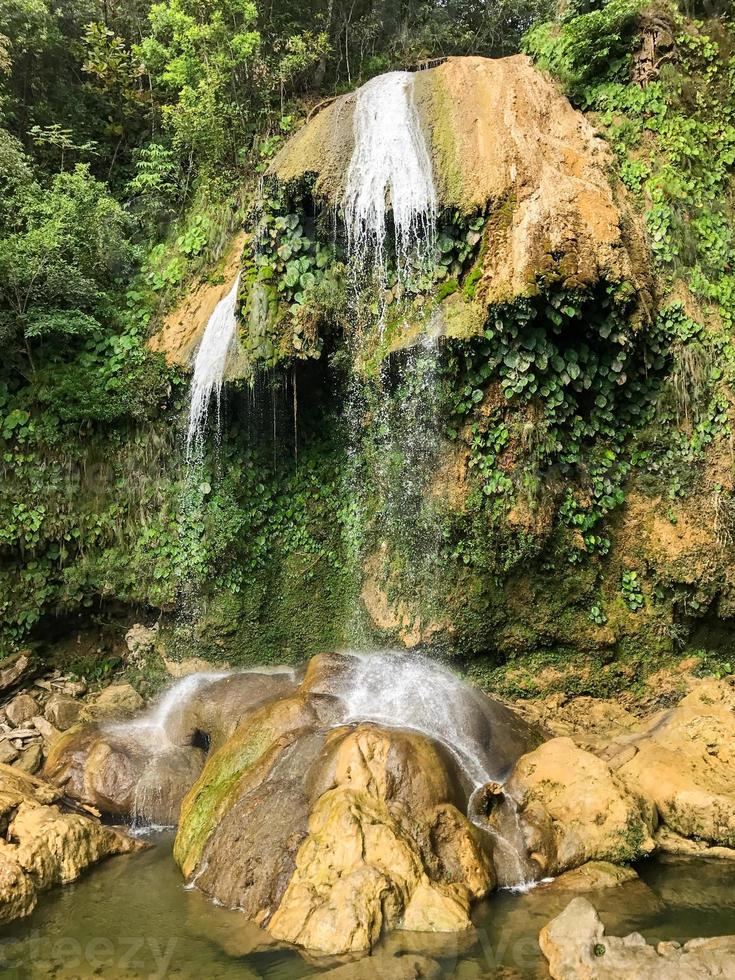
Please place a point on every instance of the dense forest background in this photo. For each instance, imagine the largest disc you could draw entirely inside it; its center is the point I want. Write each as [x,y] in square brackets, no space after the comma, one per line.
[133,137]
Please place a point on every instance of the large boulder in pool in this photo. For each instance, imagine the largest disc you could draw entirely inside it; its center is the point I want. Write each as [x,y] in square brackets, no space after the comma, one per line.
[141,768]
[573,809]
[329,838]
[43,842]
[328,804]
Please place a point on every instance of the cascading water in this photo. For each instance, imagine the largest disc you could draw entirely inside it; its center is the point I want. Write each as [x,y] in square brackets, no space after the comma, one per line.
[210,365]
[404,690]
[390,171]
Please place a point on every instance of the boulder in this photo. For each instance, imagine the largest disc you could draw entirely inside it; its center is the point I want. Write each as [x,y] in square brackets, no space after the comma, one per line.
[576,948]
[685,763]
[384,849]
[62,711]
[46,730]
[8,752]
[31,758]
[572,809]
[115,701]
[42,844]
[21,709]
[591,877]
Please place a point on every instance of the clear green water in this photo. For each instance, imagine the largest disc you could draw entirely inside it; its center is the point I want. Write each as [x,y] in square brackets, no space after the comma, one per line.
[132,917]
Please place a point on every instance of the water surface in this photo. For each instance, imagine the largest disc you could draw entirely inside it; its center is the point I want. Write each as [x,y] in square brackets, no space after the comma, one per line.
[132,917]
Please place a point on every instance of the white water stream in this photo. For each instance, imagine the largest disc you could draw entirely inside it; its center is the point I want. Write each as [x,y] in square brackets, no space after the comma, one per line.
[390,171]
[209,367]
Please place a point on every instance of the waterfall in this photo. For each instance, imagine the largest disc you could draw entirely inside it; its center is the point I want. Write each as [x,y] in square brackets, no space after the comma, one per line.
[408,690]
[390,170]
[210,364]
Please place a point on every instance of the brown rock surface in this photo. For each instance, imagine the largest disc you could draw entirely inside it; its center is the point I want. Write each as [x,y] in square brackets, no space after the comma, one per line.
[573,809]
[576,948]
[21,709]
[685,763]
[115,701]
[41,844]
[183,327]
[62,711]
[503,137]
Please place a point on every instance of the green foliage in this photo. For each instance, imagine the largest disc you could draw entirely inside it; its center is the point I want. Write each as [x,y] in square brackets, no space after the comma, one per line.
[631,591]
[584,46]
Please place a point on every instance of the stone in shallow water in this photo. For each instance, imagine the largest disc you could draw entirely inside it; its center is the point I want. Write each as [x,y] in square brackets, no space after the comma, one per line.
[42,845]
[572,809]
[576,948]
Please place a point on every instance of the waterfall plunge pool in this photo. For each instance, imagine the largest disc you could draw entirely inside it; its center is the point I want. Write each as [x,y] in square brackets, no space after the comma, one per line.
[132,917]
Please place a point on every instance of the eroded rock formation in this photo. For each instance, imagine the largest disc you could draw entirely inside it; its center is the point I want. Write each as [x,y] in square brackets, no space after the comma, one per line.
[43,843]
[576,948]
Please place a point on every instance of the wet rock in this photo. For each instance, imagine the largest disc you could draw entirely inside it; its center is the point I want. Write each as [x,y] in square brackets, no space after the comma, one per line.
[685,763]
[120,776]
[576,948]
[591,877]
[41,845]
[573,809]
[115,701]
[21,709]
[368,862]
[62,711]
[31,758]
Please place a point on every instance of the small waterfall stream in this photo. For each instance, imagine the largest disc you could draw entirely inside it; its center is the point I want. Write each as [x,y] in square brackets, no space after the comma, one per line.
[210,365]
[390,172]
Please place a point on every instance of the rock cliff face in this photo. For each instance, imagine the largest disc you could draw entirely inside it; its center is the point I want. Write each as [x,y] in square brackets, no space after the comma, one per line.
[507,144]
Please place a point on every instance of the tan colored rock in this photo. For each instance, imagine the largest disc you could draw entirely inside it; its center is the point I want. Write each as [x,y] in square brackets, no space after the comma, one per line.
[503,138]
[46,730]
[31,758]
[41,845]
[21,709]
[362,869]
[576,948]
[573,809]
[117,700]
[591,877]
[685,763]
[62,711]
[669,842]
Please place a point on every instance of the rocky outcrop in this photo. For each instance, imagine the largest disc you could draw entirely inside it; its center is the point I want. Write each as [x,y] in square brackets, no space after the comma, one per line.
[505,141]
[572,809]
[143,769]
[576,948]
[684,761]
[384,848]
[43,843]
[182,329]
